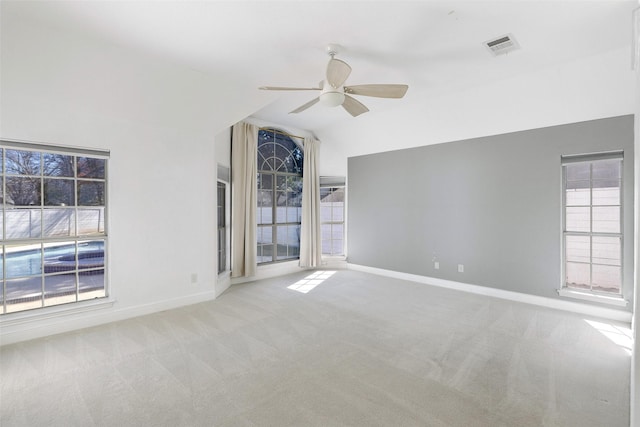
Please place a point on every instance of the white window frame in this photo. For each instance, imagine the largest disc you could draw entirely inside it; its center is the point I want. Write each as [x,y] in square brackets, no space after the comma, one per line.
[335,182]
[80,304]
[274,225]
[590,294]
[223,178]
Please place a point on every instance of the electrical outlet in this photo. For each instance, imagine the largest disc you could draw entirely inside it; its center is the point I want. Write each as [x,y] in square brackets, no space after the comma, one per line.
[460,268]
[194,278]
[436,265]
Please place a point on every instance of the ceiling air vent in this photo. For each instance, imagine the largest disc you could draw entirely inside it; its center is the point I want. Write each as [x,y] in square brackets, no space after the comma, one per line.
[501,45]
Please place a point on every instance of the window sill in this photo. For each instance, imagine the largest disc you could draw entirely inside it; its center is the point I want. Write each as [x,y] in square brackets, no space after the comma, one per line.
[47,313]
[586,296]
[334,257]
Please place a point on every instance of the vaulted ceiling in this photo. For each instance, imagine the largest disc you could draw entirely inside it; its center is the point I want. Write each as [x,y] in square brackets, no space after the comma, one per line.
[574,56]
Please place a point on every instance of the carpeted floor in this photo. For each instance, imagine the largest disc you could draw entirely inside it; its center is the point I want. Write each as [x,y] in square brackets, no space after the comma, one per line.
[355,350]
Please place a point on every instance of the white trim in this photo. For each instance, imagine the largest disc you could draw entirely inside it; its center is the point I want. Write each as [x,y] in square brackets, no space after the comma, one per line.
[335,262]
[268,271]
[54,312]
[575,307]
[586,296]
[50,147]
[223,283]
[66,321]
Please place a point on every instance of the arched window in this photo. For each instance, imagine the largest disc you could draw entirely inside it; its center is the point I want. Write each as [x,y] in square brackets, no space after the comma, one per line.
[279,196]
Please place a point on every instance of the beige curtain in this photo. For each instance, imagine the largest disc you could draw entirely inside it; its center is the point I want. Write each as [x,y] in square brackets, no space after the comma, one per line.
[244,158]
[310,243]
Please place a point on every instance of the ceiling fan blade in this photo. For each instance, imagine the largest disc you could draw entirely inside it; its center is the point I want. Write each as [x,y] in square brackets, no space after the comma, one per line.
[305,106]
[353,106]
[337,72]
[379,91]
[288,88]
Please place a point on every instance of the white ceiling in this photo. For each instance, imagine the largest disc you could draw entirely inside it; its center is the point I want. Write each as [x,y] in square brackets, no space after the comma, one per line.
[436,47]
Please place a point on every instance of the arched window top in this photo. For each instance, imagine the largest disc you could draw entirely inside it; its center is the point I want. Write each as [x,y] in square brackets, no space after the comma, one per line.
[278,152]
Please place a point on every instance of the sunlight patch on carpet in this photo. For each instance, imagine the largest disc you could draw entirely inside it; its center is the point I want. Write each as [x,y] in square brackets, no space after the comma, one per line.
[619,335]
[311,281]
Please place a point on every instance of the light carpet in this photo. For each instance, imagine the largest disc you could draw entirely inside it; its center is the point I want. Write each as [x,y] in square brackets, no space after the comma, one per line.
[354,350]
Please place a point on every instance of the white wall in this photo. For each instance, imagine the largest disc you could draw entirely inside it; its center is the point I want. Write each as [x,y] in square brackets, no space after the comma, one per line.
[159,122]
[585,89]
[223,147]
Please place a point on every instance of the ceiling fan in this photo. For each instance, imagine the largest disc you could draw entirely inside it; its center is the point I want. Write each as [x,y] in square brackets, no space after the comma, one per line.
[334,92]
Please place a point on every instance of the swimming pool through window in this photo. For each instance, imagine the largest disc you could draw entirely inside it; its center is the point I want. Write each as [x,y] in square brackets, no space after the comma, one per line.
[53,227]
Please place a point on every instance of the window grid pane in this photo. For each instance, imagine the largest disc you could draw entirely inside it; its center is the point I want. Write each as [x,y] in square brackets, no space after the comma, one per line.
[592,222]
[280,162]
[332,220]
[222,226]
[50,203]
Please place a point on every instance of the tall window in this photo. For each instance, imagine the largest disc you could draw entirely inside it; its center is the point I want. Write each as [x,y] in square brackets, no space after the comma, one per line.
[222,227]
[52,221]
[279,211]
[224,243]
[332,215]
[592,223]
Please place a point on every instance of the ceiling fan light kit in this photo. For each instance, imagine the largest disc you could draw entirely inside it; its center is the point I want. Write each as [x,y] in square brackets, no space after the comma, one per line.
[334,92]
[332,99]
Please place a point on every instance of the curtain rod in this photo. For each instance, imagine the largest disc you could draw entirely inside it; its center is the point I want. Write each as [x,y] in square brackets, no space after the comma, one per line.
[282,133]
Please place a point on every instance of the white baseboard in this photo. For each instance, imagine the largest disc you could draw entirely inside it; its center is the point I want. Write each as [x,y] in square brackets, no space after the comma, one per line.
[270,270]
[337,263]
[575,307]
[14,330]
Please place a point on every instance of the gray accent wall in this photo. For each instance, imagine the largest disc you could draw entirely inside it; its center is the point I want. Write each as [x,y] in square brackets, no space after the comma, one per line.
[493,204]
